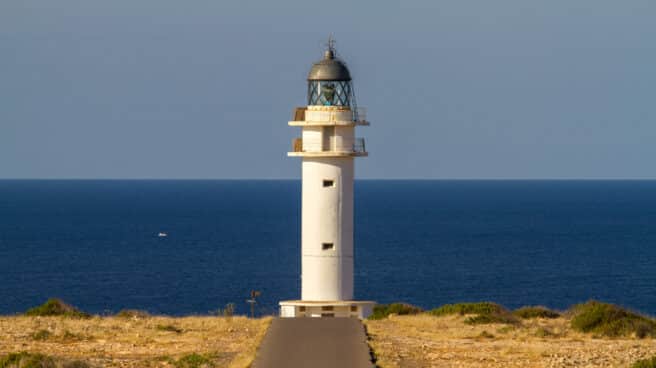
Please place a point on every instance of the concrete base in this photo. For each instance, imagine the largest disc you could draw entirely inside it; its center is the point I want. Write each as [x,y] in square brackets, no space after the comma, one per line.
[340,308]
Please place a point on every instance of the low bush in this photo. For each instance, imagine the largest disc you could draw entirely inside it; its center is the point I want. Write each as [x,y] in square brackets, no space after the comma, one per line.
[41,335]
[76,364]
[34,360]
[384,310]
[56,307]
[468,308]
[506,329]
[535,312]
[486,335]
[645,363]
[132,313]
[495,317]
[71,336]
[194,361]
[26,360]
[169,328]
[611,320]
[484,313]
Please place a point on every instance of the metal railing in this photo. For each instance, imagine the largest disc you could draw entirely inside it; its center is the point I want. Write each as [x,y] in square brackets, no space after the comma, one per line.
[355,145]
[358,145]
[359,114]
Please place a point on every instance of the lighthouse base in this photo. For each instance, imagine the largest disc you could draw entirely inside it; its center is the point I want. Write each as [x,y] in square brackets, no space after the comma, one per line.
[340,308]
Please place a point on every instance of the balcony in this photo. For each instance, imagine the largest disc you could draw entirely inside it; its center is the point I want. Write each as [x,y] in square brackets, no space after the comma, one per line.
[346,117]
[333,147]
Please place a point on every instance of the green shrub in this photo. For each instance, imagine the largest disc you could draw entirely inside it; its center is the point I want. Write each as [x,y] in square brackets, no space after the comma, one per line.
[26,360]
[194,361]
[535,312]
[468,308]
[34,360]
[69,336]
[611,320]
[76,364]
[495,317]
[56,307]
[484,313]
[168,328]
[132,313]
[645,363]
[384,310]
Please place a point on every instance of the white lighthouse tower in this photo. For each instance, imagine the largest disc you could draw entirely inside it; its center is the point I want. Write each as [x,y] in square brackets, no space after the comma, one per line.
[327,147]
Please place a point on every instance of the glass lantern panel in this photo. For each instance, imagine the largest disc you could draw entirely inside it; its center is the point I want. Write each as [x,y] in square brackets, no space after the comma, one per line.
[329,93]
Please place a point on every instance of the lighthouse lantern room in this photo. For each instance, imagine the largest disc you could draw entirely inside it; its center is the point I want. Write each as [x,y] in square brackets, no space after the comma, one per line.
[327,148]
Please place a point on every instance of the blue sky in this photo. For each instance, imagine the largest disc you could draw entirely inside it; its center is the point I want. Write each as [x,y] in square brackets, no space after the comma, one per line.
[204,89]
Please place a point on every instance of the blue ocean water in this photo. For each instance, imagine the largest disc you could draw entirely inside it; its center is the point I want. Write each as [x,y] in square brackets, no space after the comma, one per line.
[95,243]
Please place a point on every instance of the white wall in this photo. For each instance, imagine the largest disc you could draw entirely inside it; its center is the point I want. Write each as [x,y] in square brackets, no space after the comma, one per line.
[313,139]
[288,311]
[327,217]
[322,113]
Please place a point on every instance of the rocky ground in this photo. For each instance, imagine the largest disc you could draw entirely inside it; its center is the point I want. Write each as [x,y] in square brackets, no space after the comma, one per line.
[136,341]
[428,341]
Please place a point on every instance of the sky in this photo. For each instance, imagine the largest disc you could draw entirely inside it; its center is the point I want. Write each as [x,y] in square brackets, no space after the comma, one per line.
[456,89]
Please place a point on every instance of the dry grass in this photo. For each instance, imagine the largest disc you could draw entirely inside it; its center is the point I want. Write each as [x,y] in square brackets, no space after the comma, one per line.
[447,341]
[135,342]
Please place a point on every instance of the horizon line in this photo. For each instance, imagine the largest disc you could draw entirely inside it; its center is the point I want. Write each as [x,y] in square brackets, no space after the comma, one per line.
[356,179]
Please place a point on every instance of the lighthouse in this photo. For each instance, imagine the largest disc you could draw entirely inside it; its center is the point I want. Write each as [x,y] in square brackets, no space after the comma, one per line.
[327,148]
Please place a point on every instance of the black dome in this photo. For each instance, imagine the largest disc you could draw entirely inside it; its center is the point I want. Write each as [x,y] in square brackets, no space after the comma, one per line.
[329,68]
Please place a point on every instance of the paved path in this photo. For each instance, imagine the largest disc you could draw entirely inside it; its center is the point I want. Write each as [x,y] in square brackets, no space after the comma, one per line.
[314,342]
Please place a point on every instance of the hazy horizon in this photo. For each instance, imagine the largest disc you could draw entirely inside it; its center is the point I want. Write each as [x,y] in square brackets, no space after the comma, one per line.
[455,90]
[298,178]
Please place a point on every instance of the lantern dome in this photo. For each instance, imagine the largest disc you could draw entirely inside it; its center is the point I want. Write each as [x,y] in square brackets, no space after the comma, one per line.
[329,81]
[329,68]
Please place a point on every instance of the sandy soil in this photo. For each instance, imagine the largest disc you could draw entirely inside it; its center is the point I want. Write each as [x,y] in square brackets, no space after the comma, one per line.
[426,341]
[135,342]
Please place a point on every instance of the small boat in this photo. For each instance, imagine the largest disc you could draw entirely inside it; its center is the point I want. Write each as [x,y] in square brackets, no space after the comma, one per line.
[162,235]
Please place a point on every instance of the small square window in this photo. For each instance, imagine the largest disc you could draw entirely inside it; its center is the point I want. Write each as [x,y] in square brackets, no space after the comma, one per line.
[327,246]
[354,308]
[301,309]
[328,183]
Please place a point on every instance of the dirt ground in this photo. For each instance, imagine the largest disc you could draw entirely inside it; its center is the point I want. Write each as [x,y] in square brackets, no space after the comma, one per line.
[427,341]
[136,342]
[398,342]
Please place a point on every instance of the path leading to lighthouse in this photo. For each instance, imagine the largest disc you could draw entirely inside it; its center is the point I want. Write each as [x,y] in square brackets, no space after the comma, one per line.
[314,342]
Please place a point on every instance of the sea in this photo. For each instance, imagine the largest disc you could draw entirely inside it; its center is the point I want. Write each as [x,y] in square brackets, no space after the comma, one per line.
[97,244]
